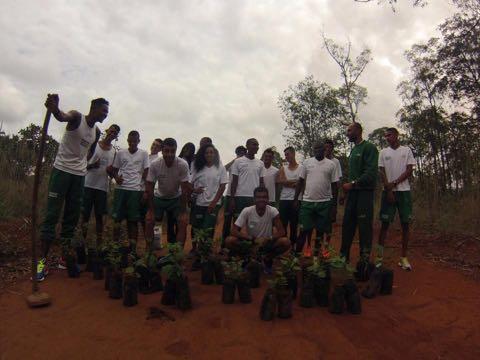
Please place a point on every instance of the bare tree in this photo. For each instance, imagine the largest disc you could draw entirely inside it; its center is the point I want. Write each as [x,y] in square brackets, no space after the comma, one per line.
[352,94]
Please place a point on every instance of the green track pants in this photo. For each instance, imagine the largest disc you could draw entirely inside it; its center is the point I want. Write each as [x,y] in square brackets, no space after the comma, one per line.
[358,211]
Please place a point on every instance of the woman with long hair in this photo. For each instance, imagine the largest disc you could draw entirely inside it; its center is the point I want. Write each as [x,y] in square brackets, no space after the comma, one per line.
[208,180]
[188,153]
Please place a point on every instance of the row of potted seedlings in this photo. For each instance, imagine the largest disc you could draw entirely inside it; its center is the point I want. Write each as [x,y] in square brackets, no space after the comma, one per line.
[327,281]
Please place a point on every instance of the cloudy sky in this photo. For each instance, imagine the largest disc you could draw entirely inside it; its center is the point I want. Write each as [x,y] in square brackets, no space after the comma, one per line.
[188,68]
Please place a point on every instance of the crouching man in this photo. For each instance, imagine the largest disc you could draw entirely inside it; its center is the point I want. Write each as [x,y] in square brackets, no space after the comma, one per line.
[261,225]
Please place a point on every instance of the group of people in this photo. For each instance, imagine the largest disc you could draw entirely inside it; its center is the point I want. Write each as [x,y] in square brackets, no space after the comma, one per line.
[260,201]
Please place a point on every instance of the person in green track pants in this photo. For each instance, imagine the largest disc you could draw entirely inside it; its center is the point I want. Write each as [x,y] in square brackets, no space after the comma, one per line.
[359,192]
[65,189]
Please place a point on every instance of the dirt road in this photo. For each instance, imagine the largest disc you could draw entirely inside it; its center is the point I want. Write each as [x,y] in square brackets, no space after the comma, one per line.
[433,314]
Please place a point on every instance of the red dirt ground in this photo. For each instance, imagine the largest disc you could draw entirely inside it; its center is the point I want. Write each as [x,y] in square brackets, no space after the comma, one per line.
[432,314]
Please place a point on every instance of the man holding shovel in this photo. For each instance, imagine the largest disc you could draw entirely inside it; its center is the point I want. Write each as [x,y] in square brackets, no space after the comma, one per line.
[67,177]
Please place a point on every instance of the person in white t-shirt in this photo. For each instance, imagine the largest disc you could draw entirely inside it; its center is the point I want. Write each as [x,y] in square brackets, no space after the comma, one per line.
[396,166]
[155,148]
[287,178]
[318,182]
[171,174]
[227,215]
[329,147]
[247,174]
[97,183]
[261,225]
[208,180]
[270,175]
[130,169]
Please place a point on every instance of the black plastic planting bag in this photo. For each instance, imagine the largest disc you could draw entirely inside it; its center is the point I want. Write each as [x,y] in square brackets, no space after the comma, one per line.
[269,305]
[307,297]
[228,291]
[352,297]
[130,290]
[387,282]
[208,272]
[91,255]
[155,281]
[124,251]
[293,285]
[337,300]
[115,285]
[321,290]
[97,268]
[144,280]
[284,301]
[169,292]
[244,292]
[183,300]
[373,285]
[254,269]
[108,275]
[363,270]
[72,267]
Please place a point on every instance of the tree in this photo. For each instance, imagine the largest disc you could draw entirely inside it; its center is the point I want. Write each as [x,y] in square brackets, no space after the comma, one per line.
[393,2]
[312,112]
[18,153]
[458,57]
[277,157]
[377,137]
[351,94]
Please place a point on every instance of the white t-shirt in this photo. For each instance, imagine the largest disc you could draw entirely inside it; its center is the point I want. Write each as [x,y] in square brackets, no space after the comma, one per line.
[257,226]
[395,162]
[287,192]
[97,178]
[152,157]
[319,176]
[249,172]
[168,178]
[338,168]
[269,180]
[210,178]
[131,167]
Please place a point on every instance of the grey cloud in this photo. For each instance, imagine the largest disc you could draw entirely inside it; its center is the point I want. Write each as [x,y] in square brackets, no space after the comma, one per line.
[190,69]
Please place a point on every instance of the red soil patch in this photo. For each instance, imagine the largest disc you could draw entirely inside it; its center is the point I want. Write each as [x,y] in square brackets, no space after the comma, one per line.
[433,313]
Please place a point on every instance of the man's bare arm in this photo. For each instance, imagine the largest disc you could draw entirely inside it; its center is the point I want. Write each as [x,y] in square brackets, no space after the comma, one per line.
[299,188]
[279,229]
[233,186]
[406,174]
[186,192]
[149,186]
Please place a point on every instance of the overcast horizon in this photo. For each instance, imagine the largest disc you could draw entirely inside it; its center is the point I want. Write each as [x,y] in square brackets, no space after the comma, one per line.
[188,69]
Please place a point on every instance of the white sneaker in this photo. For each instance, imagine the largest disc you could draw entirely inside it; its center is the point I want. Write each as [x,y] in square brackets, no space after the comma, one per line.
[404,264]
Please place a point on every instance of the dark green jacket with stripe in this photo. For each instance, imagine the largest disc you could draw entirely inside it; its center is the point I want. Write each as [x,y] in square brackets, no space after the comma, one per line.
[363,166]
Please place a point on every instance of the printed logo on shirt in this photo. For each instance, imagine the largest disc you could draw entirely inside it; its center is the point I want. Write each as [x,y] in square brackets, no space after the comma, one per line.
[84,143]
[387,157]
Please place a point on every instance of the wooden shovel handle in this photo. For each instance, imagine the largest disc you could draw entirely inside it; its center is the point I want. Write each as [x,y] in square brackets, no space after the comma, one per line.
[36,184]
